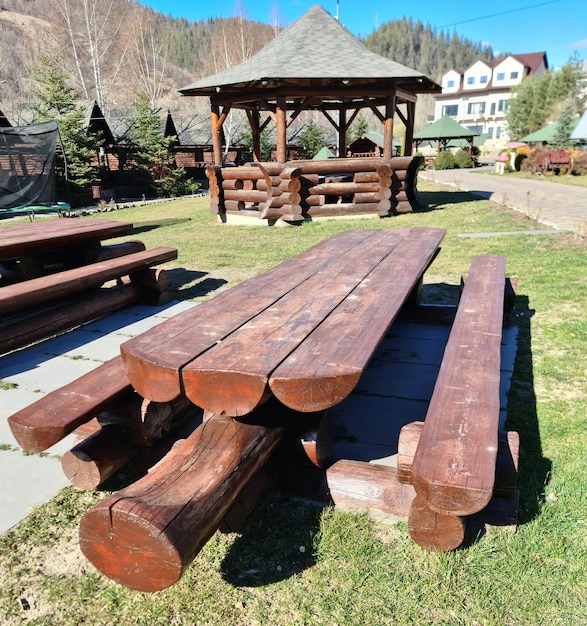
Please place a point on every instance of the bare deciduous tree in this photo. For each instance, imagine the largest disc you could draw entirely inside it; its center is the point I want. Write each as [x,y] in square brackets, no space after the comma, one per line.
[148,56]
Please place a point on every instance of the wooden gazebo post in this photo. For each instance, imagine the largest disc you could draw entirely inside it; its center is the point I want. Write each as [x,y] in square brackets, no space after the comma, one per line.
[388,126]
[255,124]
[216,133]
[281,126]
[342,128]
[409,140]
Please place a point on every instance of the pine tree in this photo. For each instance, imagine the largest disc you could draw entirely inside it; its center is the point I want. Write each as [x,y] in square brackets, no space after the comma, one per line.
[56,99]
[565,125]
[152,152]
[360,127]
[311,138]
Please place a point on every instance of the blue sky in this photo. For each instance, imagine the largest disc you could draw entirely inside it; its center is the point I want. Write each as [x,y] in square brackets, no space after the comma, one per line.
[558,27]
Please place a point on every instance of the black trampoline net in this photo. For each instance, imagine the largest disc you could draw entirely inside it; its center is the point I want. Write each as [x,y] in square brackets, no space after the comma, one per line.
[27,159]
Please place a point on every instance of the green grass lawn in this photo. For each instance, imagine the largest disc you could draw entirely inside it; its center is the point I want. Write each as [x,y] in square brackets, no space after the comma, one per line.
[299,564]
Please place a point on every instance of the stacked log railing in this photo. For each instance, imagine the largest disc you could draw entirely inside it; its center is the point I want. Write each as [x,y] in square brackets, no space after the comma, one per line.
[295,191]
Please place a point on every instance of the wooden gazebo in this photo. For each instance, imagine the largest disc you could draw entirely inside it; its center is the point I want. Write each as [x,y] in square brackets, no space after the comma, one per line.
[443,131]
[314,64]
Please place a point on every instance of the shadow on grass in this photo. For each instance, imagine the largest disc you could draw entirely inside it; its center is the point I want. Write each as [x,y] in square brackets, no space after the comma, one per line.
[144,227]
[435,200]
[275,543]
[534,467]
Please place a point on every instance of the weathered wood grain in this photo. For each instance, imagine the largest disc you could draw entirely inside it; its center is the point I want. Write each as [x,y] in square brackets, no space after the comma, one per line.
[341,311]
[454,465]
[146,535]
[155,359]
[325,368]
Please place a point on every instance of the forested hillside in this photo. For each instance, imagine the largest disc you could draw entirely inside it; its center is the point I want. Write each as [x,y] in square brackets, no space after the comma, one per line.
[416,45]
[115,49]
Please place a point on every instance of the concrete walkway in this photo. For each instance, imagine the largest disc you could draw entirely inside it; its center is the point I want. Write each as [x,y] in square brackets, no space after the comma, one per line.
[29,480]
[558,206]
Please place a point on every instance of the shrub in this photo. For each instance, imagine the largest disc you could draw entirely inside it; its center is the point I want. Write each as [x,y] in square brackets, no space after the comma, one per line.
[528,163]
[463,159]
[580,163]
[444,161]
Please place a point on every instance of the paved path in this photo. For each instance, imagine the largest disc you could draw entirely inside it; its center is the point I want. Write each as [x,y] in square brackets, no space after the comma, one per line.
[29,480]
[563,207]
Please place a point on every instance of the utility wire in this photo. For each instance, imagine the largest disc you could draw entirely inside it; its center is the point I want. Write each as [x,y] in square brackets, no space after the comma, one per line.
[485,17]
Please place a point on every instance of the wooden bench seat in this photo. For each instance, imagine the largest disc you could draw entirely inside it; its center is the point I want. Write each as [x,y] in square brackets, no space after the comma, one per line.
[38,290]
[455,463]
[453,471]
[58,413]
[104,393]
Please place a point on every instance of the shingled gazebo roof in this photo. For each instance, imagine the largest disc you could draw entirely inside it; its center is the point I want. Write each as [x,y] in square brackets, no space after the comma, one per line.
[293,74]
[294,58]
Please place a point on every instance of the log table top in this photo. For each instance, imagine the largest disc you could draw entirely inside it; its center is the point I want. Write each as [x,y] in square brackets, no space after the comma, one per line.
[19,240]
[302,332]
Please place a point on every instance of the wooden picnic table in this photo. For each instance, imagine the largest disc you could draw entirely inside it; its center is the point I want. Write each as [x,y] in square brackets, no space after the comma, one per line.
[37,248]
[21,240]
[302,332]
[265,360]
[46,266]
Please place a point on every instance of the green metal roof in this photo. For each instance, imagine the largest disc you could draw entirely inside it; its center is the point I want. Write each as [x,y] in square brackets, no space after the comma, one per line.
[323,153]
[444,128]
[545,134]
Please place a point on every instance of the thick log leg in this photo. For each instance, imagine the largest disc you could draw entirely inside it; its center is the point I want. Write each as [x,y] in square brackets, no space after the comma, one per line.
[88,464]
[434,531]
[144,422]
[146,535]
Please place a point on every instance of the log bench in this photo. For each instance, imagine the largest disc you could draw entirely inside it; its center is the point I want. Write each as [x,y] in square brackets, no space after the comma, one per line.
[456,466]
[52,275]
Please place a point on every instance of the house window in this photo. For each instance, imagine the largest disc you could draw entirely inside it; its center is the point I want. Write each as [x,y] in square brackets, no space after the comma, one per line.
[492,109]
[514,75]
[501,76]
[483,79]
[450,109]
[471,80]
[476,129]
[450,83]
[476,108]
[502,105]
[490,132]
[497,132]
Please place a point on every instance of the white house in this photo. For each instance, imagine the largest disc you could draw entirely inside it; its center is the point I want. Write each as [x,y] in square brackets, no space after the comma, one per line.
[478,97]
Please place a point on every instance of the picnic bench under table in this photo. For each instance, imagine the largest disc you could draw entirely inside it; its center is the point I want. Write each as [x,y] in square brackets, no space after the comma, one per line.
[266,360]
